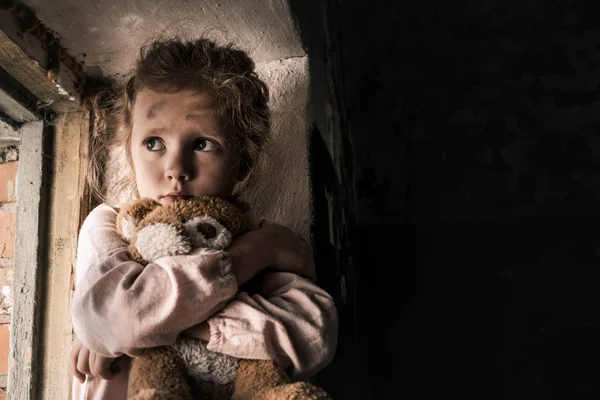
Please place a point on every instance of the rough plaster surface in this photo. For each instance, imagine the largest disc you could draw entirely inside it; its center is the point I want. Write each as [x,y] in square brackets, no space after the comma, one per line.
[8,154]
[8,181]
[6,300]
[280,189]
[106,36]
[9,136]
[7,233]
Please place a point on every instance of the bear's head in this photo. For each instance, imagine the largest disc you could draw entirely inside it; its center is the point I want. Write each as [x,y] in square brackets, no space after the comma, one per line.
[155,230]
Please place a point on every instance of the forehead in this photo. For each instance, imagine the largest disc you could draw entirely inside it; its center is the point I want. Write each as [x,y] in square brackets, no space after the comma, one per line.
[149,103]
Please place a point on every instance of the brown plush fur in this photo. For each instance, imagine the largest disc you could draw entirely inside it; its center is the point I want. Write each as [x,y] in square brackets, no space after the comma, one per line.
[177,213]
[146,212]
[263,380]
[160,374]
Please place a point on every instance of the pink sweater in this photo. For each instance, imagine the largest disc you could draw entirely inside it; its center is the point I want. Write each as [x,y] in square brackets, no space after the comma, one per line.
[120,308]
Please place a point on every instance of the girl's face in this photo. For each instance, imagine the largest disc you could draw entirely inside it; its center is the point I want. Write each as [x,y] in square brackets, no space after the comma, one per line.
[178,149]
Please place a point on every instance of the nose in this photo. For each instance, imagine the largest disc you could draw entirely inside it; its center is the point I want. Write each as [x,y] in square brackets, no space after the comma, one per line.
[179,168]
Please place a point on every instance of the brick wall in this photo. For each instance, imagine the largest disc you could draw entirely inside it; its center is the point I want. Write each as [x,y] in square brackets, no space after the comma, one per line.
[8,207]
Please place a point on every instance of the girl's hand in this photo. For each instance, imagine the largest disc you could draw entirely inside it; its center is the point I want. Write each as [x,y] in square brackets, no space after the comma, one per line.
[286,250]
[274,246]
[85,362]
[198,332]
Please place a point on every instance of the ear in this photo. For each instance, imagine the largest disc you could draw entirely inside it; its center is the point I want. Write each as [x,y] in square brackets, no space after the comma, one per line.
[132,214]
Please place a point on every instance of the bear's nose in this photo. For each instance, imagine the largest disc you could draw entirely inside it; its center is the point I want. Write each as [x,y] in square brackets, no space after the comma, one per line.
[208,230]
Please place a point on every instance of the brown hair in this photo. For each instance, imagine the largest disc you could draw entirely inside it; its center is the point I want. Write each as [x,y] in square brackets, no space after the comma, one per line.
[225,73]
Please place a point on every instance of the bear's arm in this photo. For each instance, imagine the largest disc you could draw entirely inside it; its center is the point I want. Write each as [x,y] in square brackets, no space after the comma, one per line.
[121,307]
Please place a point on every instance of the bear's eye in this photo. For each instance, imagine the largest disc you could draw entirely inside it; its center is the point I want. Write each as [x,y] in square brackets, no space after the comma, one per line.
[208,230]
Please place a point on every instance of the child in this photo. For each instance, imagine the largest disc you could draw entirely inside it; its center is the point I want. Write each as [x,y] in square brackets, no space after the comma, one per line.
[193,119]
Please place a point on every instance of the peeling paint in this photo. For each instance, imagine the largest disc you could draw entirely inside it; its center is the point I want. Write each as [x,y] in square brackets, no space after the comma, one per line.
[6,300]
[10,190]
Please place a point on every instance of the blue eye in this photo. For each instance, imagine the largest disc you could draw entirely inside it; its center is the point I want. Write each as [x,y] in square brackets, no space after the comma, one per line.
[204,145]
[154,144]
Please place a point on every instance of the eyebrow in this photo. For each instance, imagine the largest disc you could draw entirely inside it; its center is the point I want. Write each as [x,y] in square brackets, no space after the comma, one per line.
[154,108]
[199,106]
[162,131]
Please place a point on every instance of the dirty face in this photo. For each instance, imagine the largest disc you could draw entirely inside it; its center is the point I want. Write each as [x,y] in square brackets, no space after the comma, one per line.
[178,149]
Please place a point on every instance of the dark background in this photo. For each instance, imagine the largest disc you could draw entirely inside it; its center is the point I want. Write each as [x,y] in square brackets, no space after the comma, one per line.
[456,180]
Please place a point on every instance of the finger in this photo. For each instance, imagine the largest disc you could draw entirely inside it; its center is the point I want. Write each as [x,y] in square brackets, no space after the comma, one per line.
[102,367]
[83,361]
[79,376]
[74,355]
[92,363]
[115,367]
[73,362]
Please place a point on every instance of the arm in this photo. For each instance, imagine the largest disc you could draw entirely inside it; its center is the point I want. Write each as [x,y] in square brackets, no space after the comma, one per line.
[292,322]
[121,307]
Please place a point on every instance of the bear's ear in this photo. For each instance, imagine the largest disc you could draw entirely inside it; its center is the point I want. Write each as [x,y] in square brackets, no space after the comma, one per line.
[235,215]
[132,214]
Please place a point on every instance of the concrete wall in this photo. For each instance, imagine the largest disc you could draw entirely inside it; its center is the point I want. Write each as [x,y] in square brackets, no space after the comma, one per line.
[105,36]
[281,192]
[280,189]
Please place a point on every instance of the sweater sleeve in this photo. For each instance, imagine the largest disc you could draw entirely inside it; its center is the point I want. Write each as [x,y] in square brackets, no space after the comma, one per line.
[292,321]
[122,307]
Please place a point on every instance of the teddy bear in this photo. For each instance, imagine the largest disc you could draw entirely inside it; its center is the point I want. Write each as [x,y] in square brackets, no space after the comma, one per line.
[187,369]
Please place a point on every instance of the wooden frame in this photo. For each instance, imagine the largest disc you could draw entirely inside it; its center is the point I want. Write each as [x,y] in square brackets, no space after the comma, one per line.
[24,57]
[51,200]
[67,198]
